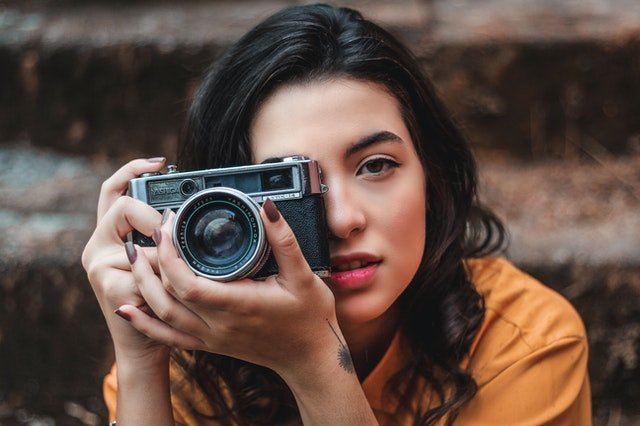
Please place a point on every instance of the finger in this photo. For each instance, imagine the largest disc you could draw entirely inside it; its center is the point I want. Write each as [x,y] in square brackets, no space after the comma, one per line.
[292,266]
[163,304]
[181,281]
[152,257]
[158,330]
[117,184]
[119,260]
[113,287]
[127,214]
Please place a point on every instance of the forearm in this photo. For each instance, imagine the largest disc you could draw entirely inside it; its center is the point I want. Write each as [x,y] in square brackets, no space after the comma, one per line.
[143,393]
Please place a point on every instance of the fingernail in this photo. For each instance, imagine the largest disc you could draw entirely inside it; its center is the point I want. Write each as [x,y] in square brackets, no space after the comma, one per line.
[273,214]
[165,216]
[157,236]
[157,160]
[130,249]
[122,314]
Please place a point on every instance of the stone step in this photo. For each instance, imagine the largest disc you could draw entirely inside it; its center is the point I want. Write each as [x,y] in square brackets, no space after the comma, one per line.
[574,224]
[527,79]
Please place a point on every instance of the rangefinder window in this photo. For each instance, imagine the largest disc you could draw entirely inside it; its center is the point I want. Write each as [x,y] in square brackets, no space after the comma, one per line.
[247,182]
[277,179]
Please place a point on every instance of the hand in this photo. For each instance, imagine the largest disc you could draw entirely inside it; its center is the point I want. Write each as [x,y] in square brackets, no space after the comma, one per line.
[285,322]
[106,263]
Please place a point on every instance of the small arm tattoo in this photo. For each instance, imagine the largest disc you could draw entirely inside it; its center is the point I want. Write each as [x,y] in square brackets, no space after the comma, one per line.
[344,357]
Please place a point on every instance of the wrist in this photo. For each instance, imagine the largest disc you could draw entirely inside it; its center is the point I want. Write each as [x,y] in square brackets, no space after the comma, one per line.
[143,396]
[319,374]
[144,362]
[329,391]
[328,363]
[131,376]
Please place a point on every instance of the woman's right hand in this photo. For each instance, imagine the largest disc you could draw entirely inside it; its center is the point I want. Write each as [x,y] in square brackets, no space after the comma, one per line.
[108,269]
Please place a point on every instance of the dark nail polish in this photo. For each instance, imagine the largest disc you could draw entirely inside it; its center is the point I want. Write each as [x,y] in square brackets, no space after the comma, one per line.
[165,216]
[122,315]
[130,249]
[273,214]
[157,236]
[156,160]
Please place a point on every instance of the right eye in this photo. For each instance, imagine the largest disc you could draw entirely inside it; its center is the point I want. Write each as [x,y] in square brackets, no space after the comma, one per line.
[378,166]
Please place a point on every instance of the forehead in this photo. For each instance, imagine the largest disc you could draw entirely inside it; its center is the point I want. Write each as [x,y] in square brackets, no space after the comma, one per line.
[322,117]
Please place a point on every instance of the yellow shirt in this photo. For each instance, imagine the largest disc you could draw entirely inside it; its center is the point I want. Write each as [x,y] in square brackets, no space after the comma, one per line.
[529,360]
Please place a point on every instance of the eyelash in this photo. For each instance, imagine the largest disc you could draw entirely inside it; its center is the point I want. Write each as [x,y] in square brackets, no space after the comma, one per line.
[387,166]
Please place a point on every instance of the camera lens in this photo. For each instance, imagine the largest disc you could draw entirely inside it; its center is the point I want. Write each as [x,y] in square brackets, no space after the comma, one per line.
[218,232]
[219,236]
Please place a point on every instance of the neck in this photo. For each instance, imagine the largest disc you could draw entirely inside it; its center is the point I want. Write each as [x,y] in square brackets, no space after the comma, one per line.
[369,341]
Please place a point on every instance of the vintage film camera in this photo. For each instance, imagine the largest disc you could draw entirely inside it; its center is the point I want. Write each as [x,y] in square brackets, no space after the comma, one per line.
[218,231]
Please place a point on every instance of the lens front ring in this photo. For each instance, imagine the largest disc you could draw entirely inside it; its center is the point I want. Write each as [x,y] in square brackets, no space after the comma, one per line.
[219,234]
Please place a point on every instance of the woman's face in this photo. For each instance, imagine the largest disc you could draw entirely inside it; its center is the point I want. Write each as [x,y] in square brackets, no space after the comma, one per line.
[376,201]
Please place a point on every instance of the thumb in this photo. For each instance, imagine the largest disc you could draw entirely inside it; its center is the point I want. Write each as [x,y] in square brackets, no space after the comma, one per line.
[292,266]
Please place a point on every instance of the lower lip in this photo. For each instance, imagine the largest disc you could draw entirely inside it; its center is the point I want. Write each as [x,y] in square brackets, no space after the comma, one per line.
[355,278]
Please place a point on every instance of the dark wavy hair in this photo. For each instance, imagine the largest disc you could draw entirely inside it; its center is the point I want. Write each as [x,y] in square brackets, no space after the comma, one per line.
[442,310]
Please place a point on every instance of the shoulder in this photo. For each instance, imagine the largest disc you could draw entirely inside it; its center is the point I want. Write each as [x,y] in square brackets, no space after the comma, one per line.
[529,358]
[522,317]
[519,302]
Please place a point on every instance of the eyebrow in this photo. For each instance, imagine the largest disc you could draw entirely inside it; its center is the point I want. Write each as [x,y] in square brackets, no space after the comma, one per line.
[367,141]
[361,144]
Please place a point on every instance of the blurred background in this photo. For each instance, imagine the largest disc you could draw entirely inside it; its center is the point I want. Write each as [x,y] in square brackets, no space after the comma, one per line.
[548,92]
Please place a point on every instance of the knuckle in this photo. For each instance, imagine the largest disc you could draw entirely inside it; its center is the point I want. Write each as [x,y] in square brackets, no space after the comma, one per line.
[166,314]
[122,206]
[110,186]
[92,271]
[123,203]
[92,267]
[288,242]
[117,181]
[189,293]
[106,186]
[86,257]
[172,289]
[168,287]
[89,251]
[248,309]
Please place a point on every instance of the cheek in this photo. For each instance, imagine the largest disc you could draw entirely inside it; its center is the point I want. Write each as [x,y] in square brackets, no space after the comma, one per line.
[405,225]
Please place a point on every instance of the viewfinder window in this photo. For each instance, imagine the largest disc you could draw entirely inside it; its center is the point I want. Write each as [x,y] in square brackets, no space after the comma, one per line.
[278,179]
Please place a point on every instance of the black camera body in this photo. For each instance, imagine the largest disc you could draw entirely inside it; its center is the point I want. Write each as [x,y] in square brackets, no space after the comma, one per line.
[218,231]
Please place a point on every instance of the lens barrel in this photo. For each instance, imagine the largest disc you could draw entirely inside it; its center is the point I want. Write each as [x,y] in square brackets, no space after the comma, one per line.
[219,234]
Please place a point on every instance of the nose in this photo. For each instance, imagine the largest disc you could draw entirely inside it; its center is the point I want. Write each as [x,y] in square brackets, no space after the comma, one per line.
[345,212]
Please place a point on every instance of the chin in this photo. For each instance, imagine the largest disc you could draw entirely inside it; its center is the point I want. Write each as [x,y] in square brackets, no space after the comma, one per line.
[355,310]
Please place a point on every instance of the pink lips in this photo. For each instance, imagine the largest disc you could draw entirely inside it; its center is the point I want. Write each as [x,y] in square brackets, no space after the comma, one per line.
[354,278]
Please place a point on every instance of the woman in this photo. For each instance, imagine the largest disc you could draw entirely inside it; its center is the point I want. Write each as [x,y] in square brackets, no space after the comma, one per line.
[413,327]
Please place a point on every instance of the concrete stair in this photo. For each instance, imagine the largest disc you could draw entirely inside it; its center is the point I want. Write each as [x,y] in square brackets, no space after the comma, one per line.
[548,91]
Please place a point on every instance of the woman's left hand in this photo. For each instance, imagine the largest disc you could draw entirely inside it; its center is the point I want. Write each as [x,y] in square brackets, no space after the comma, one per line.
[286,322]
